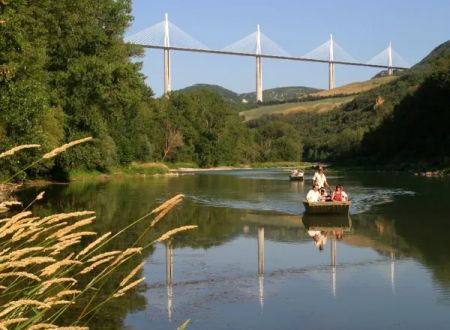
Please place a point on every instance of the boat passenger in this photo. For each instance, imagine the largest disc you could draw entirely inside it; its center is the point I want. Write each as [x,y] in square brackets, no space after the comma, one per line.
[339,195]
[313,195]
[324,195]
[320,178]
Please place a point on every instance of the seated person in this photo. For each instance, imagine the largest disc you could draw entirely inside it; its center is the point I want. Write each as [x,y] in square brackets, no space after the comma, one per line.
[339,195]
[324,195]
[313,195]
[294,173]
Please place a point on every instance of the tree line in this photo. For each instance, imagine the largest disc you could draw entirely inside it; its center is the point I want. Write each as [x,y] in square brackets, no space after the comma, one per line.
[66,73]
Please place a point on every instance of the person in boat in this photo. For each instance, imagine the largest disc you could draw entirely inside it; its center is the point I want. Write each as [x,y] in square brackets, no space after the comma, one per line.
[320,178]
[313,195]
[324,197]
[339,195]
[294,173]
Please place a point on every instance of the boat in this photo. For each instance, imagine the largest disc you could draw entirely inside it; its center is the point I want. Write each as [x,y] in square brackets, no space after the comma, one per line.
[327,207]
[296,176]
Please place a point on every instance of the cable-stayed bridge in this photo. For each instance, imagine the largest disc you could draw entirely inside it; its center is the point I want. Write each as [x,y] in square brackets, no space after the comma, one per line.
[169,37]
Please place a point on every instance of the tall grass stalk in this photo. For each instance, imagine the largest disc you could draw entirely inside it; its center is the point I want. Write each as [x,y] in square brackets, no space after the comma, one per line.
[45,269]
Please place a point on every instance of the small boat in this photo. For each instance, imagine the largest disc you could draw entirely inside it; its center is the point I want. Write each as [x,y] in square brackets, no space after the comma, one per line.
[327,207]
[296,176]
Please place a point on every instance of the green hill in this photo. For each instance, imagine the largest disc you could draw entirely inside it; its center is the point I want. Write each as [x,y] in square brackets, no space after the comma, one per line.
[227,94]
[356,87]
[402,122]
[318,106]
[322,101]
[416,113]
[280,94]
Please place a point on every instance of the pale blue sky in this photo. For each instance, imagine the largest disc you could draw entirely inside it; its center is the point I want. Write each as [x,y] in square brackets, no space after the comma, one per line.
[362,27]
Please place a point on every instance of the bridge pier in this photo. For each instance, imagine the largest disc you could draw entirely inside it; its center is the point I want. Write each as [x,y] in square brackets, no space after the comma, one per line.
[167,80]
[390,70]
[259,87]
[331,82]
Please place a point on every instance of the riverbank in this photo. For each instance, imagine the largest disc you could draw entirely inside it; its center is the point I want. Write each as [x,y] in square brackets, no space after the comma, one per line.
[170,169]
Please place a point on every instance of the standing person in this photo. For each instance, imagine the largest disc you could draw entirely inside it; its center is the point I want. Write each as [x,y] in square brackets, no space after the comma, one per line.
[320,178]
[313,195]
[339,195]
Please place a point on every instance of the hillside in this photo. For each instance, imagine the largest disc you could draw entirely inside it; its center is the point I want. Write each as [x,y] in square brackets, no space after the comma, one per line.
[414,129]
[318,106]
[280,94]
[403,122]
[355,88]
[227,94]
[327,100]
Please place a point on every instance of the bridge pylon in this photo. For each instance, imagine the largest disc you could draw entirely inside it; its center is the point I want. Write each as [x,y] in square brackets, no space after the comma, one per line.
[167,77]
[331,79]
[259,85]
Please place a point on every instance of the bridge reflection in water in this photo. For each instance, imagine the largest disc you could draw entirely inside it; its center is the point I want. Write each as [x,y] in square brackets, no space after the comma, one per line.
[332,228]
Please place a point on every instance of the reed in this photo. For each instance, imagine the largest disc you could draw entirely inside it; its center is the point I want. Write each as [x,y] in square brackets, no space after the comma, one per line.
[48,264]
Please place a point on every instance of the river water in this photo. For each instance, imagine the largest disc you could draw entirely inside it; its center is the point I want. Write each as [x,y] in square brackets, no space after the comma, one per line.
[253,262]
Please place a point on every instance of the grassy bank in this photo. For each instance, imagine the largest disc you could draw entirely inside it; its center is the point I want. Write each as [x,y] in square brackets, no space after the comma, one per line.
[144,169]
[130,170]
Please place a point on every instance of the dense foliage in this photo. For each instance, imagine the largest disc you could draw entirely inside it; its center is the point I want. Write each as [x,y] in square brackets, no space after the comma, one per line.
[402,122]
[66,73]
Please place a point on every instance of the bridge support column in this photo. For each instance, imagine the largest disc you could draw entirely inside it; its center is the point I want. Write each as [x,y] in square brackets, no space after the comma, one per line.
[390,70]
[167,81]
[259,87]
[331,81]
[331,84]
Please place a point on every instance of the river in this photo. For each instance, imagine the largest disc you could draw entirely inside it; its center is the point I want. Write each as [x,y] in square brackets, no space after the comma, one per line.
[253,263]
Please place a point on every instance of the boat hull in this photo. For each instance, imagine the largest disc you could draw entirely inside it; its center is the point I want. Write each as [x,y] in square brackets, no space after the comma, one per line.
[327,207]
[296,178]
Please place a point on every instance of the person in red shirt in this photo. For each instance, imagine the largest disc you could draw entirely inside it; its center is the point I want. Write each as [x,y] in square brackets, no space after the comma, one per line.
[339,194]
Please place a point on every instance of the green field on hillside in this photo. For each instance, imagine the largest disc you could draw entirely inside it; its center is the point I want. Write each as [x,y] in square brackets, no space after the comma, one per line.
[285,108]
[356,87]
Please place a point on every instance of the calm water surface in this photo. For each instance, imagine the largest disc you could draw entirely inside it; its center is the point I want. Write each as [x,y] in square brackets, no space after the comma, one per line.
[253,263]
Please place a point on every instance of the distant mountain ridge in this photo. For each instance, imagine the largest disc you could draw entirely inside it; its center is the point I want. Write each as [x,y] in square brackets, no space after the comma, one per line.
[278,94]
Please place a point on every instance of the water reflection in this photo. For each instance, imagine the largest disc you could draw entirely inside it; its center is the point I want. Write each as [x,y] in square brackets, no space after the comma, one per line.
[392,264]
[169,277]
[261,257]
[322,227]
[297,186]
[217,271]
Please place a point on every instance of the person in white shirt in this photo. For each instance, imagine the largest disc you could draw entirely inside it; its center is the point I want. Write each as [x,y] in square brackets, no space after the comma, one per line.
[313,195]
[320,178]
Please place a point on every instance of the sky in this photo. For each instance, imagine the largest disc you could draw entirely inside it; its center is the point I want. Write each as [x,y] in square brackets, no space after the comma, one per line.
[362,27]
